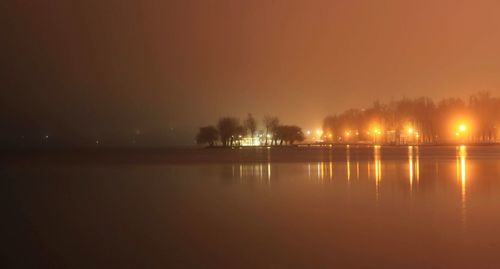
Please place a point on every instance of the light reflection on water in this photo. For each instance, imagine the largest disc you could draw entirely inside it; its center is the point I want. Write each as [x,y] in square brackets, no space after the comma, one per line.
[462,167]
[345,207]
[377,171]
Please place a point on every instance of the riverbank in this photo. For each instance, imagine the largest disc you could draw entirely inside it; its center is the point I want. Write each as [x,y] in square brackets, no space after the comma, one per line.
[237,154]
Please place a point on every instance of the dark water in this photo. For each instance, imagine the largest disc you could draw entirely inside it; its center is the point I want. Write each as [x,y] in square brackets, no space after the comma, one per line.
[405,207]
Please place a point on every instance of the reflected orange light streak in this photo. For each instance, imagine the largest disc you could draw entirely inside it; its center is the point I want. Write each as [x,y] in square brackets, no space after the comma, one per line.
[410,166]
[378,170]
[417,164]
[348,157]
[462,176]
[331,170]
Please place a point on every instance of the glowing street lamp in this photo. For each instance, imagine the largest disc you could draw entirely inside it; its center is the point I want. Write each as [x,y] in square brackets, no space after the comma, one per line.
[462,128]
[412,134]
[376,132]
[461,131]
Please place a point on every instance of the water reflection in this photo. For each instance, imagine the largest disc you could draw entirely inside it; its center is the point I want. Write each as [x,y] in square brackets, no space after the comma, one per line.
[330,163]
[241,173]
[413,166]
[309,171]
[322,168]
[357,170]
[348,159]
[462,179]
[378,171]
[320,171]
[225,210]
[269,165]
[417,163]
[410,166]
[350,166]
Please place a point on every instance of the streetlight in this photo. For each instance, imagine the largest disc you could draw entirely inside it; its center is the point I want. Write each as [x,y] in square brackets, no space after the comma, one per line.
[461,131]
[347,135]
[319,135]
[462,128]
[376,133]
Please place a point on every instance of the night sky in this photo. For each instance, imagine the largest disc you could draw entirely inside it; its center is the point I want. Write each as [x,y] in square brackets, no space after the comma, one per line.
[117,70]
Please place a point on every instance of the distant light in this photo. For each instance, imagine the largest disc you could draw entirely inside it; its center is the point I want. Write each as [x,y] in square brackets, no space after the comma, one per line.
[462,128]
[308,132]
[46,137]
[410,130]
[348,133]
[330,135]
[319,132]
[97,141]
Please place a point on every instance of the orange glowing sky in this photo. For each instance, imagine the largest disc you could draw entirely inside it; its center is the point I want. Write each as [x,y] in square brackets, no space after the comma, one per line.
[117,65]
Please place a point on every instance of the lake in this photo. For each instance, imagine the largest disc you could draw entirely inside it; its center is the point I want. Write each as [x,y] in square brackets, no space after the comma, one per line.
[317,207]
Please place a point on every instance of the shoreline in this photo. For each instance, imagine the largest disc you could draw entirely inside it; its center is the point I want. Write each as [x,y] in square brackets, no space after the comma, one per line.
[237,155]
[319,145]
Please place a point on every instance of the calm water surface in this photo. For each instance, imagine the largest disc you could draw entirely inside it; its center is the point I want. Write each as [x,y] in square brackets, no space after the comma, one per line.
[404,207]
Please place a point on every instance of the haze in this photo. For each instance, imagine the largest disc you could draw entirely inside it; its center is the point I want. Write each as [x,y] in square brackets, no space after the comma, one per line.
[113,68]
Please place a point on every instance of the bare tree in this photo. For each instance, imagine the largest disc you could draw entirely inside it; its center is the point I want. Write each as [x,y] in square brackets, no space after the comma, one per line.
[228,130]
[431,122]
[271,123]
[250,125]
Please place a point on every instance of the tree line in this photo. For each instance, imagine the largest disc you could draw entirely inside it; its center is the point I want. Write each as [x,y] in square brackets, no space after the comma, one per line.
[230,131]
[475,120]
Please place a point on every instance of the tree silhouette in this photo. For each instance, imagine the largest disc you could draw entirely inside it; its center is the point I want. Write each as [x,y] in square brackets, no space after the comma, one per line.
[433,122]
[229,130]
[250,125]
[207,135]
[289,134]
[271,124]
